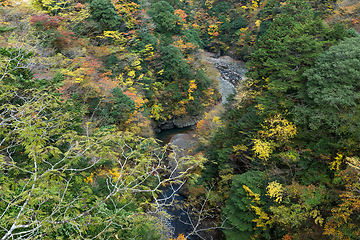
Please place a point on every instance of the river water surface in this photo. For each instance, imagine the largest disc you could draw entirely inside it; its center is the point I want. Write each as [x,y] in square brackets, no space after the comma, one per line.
[174,199]
[166,135]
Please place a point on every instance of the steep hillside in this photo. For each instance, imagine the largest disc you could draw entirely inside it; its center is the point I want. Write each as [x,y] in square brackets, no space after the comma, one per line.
[84,85]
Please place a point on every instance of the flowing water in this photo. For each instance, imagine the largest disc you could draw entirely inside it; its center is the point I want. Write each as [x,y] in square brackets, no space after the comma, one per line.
[179,218]
[171,193]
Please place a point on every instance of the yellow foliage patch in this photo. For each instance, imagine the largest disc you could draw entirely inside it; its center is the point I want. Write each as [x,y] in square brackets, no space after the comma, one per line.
[192,87]
[278,128]
[275,190]
[180,237]
[250,193]
[239,148]
[263,219]
[262,149]
[338,160]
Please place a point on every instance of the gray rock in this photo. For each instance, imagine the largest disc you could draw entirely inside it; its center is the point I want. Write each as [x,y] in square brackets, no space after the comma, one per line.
[166,125]
[179,122]
[231,70]
[186,121]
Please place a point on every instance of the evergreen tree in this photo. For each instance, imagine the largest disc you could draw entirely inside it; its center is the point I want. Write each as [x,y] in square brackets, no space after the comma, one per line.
[104,12]
[244,208]
[331,112]
[163,16]
[120,107]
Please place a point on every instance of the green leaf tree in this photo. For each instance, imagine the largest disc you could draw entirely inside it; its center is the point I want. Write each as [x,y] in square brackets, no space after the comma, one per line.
[104,12]
[245,217]
[289,47]
[120,107]
[57,183]
[163,16]
[332,109]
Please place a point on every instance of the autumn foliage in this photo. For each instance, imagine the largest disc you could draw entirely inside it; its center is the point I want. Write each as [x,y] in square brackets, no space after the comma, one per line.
[80,76]
[52,32]
[180,237]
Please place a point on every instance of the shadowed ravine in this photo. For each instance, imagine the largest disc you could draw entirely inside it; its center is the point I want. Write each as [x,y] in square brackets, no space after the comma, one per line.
[174,198]
[230,71]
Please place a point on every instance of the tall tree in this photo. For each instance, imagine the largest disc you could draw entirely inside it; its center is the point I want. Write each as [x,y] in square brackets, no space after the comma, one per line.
[331,113]
[163,16]
[60,182]
[104,12]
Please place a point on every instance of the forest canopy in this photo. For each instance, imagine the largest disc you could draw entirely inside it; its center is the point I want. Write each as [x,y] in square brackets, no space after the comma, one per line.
[85,85]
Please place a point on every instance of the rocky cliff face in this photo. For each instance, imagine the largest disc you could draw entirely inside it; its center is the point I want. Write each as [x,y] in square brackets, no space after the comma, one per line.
[180,122]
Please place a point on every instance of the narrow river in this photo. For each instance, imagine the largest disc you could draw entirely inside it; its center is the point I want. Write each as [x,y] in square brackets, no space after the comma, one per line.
[231,71]
[179,218]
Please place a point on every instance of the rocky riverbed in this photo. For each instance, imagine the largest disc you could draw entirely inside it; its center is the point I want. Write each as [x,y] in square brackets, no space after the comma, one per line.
[181,122]
[230,73]
[231,70]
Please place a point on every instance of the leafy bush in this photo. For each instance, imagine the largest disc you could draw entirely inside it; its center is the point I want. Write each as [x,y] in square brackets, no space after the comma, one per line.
[120,107]
[50,32]
[220,8]
[245,196]
[142,40]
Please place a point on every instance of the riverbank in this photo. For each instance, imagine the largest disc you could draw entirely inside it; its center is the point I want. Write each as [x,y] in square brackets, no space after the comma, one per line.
[185,140]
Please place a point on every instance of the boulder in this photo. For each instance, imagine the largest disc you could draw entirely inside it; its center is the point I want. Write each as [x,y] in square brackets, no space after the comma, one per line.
[179,122]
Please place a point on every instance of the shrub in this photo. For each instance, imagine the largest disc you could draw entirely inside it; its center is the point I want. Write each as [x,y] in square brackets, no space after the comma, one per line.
[48,28]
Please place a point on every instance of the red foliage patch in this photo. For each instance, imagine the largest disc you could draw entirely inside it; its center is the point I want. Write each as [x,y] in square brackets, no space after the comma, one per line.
[50,27]
[45,21]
